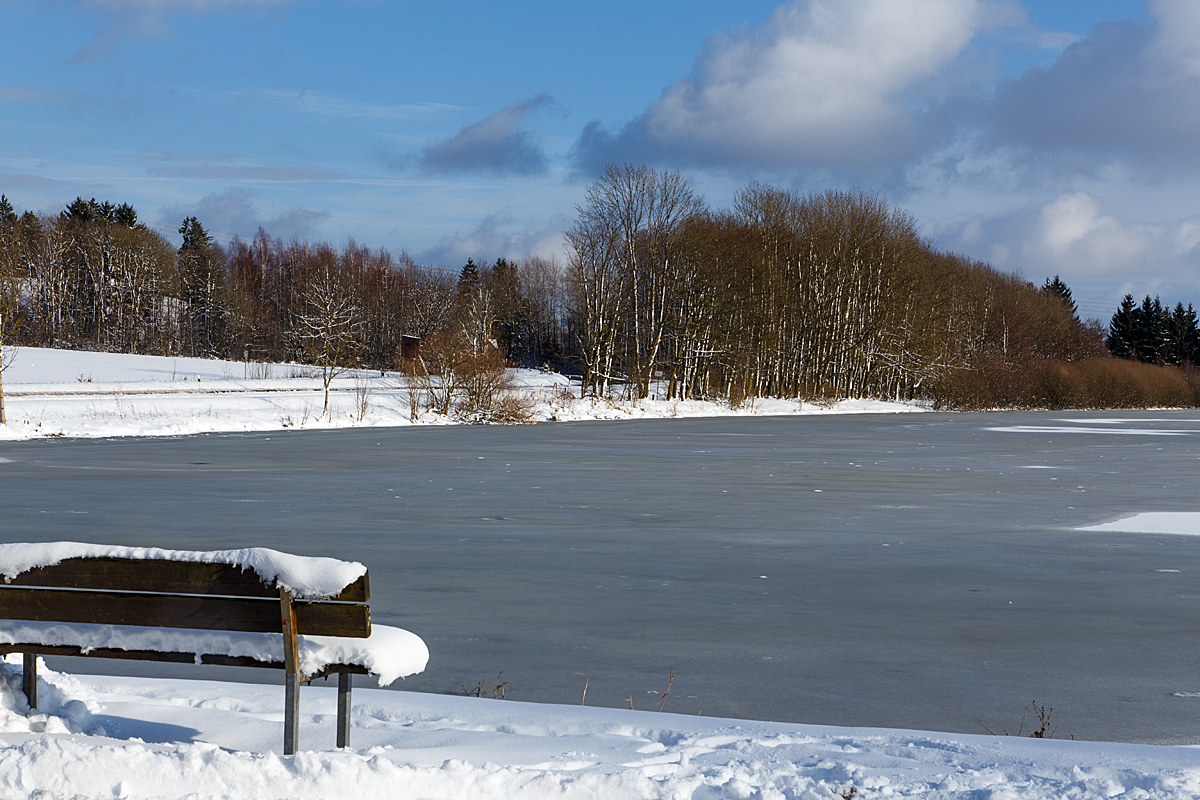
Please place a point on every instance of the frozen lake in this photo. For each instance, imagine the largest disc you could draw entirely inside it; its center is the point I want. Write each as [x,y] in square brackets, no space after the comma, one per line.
[916,571]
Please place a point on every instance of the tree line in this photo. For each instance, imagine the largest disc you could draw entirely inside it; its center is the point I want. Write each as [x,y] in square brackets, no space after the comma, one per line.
[829,294]
[93,277]
[820,295]
[1153,334]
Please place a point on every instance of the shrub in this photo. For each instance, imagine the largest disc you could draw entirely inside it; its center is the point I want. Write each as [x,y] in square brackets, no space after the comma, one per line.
[471,382]
[1097,383]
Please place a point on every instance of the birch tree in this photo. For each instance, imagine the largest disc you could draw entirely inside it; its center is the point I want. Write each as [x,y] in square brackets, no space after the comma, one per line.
[10,261]
[623,253]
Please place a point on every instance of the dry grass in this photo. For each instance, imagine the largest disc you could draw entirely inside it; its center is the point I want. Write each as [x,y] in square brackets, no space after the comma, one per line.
[494,688]
[670,682]
[1098,383]
[362,395]
[1043,729]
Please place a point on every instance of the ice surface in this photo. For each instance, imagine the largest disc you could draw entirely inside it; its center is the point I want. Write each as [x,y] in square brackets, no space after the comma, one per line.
[308,577]
[636,554]
[1053,429]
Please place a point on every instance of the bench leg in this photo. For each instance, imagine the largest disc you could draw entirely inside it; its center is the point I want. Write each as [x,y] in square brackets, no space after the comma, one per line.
[343,712]
[291,713]
[291,664]
[29,678]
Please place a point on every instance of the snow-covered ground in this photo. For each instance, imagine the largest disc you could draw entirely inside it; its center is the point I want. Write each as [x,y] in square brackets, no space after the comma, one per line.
[138,738]
[71,393]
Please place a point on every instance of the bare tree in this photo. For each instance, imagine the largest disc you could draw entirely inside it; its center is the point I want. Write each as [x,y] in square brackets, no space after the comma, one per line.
[541,285]
[7,354]
[10,262]
[328,329]
[624,247]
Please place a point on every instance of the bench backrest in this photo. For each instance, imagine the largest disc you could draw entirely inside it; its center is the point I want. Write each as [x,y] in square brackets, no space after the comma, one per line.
[175,594]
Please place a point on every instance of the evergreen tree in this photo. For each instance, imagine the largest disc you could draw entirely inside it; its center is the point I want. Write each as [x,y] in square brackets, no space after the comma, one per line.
[1150,330]
[1183,339]
[1057,288]
[468,278]
[511,319]
[9,239]
[202,275]
[82,211]
[1120,339]
[124,214]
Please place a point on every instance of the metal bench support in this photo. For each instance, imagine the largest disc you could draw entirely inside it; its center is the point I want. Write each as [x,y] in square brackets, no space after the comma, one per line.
[343,709]
[29,678]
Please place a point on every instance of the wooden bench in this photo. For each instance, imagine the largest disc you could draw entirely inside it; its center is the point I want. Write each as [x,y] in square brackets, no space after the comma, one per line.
[161,593]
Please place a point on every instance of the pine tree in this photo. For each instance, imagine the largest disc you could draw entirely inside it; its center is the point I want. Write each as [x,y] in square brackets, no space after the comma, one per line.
[1120,339]
[1183,345]
[1057,288]
[202,276]
[9,292]
[511,319]
[84,211]
[124,214]
[468,278]
[1150,330]
[9,238]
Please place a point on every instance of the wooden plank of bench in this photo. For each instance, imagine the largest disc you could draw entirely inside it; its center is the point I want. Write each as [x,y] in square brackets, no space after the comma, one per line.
[249,615]
[210,659]
[176,577]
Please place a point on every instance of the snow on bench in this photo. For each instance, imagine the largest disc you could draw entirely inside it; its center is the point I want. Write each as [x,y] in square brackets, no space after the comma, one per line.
[250,607]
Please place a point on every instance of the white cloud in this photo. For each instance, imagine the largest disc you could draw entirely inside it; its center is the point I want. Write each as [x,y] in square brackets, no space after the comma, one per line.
[234,213]
[1179,32]
[487,242]
[1127,94]
[1074,230]
[331,105]
[821,83]
[1099,254]
[118,20]
[497,143]
[818,78]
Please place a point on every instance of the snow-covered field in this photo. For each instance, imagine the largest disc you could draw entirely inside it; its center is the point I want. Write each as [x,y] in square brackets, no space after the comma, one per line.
[70,393]
[137,738]
[114,737]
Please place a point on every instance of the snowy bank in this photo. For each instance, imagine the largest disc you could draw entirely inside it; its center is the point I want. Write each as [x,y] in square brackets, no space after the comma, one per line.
[1176,523]
[84,394]
[145,738]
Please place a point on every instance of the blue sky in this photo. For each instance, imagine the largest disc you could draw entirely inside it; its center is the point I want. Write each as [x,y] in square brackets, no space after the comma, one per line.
[1045,137]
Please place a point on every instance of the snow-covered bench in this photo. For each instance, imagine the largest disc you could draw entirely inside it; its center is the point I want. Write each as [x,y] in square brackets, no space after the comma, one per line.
[249,608]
